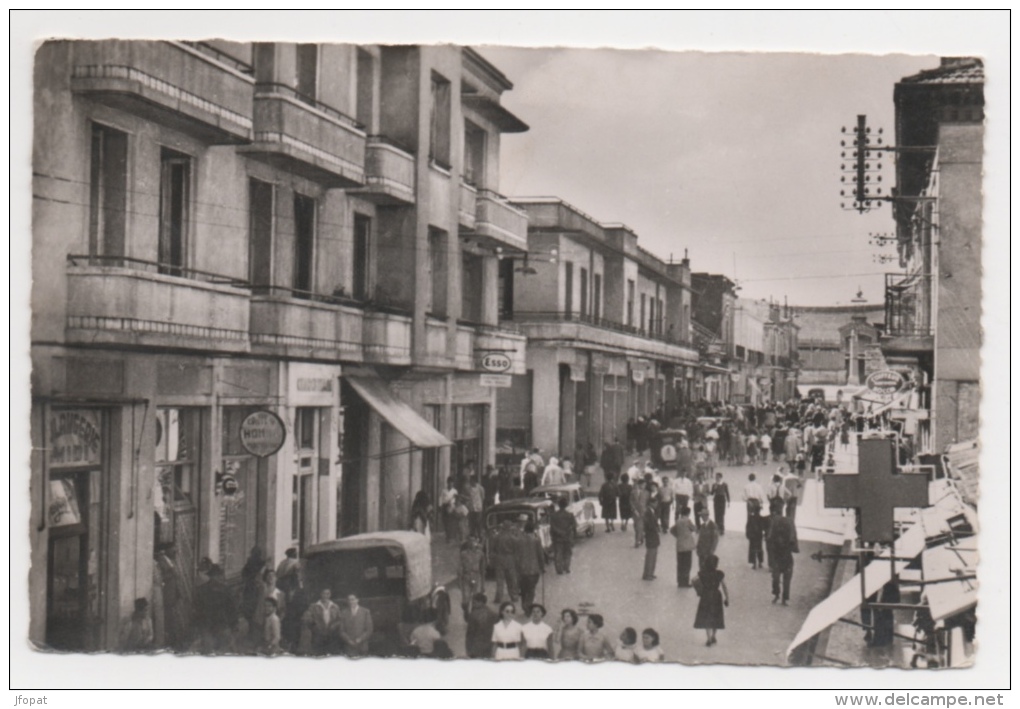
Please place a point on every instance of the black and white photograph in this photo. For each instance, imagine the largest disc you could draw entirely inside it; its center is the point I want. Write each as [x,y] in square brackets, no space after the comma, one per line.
[348,353]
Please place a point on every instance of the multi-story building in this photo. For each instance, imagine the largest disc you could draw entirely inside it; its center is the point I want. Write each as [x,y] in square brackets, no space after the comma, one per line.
[714,300]
[838,344]
[263,278]
[608,327]
[933,307]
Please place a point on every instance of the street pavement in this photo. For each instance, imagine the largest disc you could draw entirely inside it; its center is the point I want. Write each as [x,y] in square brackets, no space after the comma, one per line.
[606,578]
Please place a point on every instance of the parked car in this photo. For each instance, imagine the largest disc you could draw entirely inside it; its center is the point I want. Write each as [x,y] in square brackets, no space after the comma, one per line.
[521,510]
[582,508]
[391,574]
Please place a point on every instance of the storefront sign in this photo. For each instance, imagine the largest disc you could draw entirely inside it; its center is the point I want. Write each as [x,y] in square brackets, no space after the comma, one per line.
[262,433]
[496,362]
[74,437]
[317,384]
[230,484]
[885,382]
[499,381]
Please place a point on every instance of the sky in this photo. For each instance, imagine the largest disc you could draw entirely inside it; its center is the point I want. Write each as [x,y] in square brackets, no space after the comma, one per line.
[733,157]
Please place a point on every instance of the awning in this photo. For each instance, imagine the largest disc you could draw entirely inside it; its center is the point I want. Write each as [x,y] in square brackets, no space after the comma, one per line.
[712,368]
[402,417]
[951,597]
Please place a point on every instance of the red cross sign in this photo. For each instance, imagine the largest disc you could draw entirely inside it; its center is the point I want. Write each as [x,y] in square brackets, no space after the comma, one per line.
[877,489]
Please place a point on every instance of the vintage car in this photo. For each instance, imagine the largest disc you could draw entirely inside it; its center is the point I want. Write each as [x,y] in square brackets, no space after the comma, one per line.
[582,508]
[518,511]
[390,573]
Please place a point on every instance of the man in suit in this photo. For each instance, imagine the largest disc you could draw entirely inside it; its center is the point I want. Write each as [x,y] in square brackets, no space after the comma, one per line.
[355,627]
[782,545]
[651,528]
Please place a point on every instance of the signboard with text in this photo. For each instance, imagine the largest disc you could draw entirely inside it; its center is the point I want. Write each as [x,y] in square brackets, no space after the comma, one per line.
[498,381]
[496,362]
[74,437]
[262,433]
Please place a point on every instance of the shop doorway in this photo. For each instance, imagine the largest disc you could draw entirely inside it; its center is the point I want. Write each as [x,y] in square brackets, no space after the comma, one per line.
[354,452]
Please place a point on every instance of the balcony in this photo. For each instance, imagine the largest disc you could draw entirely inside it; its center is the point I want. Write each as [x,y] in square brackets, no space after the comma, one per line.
[908,301]
[306,137]
[435,343]
[464,356]
[198,91]
[500,223]
[389,172]
[387,337]
[129,302]
[468,206]
[502,340]
[289,323]
[604,334]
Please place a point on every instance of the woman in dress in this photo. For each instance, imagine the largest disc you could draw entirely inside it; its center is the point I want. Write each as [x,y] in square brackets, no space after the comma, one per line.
[650,651]
[623,499]
[712,597]
[568,636]
[607,498]
[421,510]
[537,635]
[594,643]
[507,635]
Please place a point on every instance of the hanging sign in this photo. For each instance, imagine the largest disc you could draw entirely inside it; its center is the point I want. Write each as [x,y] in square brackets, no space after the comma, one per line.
[885,382]
[74,438]
[499,381]
[262,433]
[496,362]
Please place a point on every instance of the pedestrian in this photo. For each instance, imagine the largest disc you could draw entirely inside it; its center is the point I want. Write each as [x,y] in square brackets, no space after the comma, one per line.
[472,573]
[590,460]
[324,621]
[607,499]
[568,470]
[782,545]
[216,613]
[475,502]
[567,641]
[490,486]
[595,645]
[271,628]
[538,636]
[503,550]
[765,445]
[530,559]
[712,597]
[777,492]
[270,592]
[608,462]
[421,513]
[754,530]
[553,474]
[288,573]
[720,502]
[137,635]
[753,491]
[507,635]
[751,441]
[531,479]
[708,539]
[665,504]
[793,486]
[686,543]
[626,650]
[563,530]
[355,627]
[638,503]
[683,490]
[623,491]
[684,460]
[480,621]
[251,582]
[423,638]
[650,651]
[651,530]
[292,625]
[447,506]
[701,493]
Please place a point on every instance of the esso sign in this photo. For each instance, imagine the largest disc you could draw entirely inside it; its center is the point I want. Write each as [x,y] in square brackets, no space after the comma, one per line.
[496,362]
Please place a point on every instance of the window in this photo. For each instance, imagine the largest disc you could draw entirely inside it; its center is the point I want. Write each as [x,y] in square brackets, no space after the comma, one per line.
[661,316]
[471,287]
[178,446]
[439,145]
[506,289]
[568,279]
[107,191]
[596,299]
[366,89]
[174,208]
[304,245]
[630,303]
[260,232]
[361,283]
[308,72]
[474,154]
[437,272]
[584,292]
[641,321]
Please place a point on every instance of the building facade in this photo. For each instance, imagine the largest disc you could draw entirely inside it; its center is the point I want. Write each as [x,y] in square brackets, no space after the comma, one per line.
[933,307]
[264,276]
[608,328]
[838,344]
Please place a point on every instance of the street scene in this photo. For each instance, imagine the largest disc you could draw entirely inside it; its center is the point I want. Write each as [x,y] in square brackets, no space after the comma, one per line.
[496,353]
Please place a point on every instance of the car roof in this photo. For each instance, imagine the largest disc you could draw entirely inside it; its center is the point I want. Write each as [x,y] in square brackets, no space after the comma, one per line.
[523,503]
[556,488]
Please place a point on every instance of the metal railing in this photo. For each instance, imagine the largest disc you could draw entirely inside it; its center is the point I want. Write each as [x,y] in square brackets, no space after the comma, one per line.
[600,322]
[166,269]
[908,305]
[221,57]
[392,142]
[263,88]
[326,298]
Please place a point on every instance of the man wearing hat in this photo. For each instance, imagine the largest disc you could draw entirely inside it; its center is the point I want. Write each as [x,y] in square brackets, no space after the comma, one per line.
[503,549]
[530,558]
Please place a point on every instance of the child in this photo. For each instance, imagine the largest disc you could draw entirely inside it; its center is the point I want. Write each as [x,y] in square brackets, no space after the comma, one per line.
[271,627]
[137,635]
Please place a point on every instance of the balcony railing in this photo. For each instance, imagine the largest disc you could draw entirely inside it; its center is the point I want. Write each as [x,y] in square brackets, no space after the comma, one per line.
[499,221]
[908,305]
[601,322]
[389,172]
[307,137]
[166,269]
[296,323]
[191,88]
